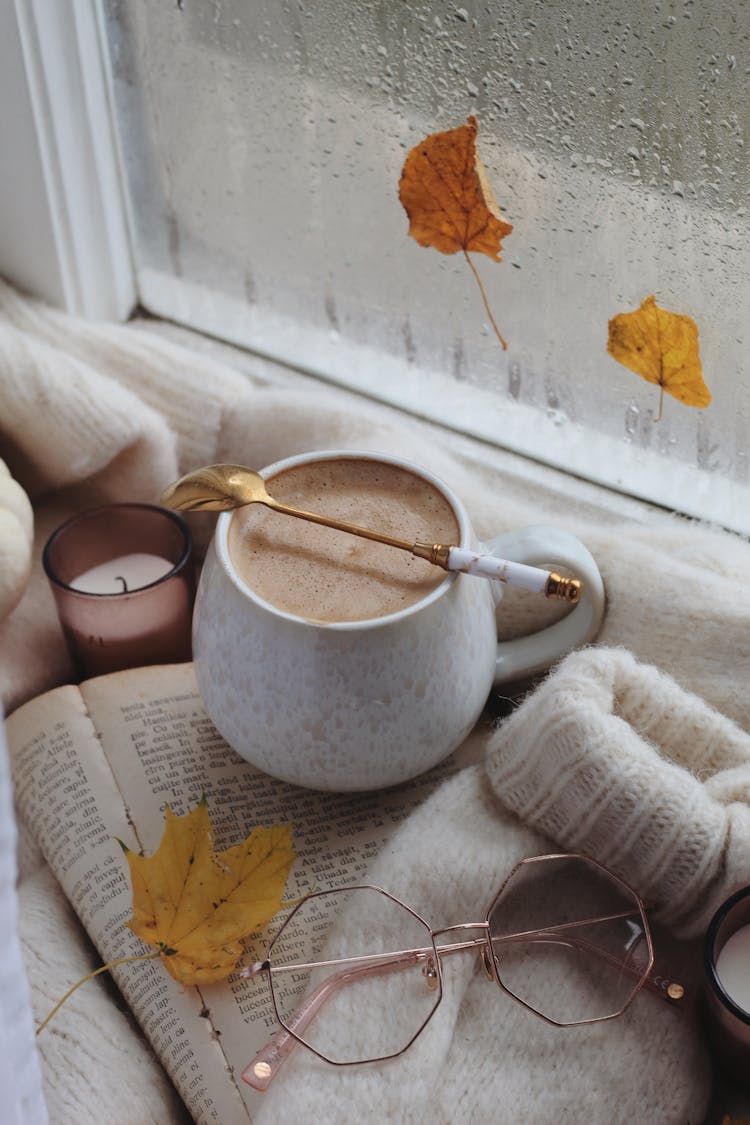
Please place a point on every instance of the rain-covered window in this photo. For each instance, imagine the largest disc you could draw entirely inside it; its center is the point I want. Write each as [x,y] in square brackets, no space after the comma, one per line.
[263,144]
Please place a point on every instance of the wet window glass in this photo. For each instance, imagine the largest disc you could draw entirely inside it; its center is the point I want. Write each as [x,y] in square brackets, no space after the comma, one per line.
[263,144]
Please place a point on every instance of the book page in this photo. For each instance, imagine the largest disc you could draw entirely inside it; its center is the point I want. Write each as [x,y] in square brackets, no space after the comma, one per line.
[102,761]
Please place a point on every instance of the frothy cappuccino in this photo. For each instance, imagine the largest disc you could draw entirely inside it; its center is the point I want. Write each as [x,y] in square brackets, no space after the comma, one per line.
[321,574]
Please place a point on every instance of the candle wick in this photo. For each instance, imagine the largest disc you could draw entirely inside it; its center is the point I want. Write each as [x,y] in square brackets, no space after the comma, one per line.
[119,578]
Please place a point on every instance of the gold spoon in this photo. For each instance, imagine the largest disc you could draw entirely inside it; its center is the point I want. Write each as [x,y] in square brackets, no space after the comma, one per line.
[219,488]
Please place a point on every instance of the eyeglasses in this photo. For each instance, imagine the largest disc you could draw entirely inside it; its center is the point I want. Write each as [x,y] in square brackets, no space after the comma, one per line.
[565,937]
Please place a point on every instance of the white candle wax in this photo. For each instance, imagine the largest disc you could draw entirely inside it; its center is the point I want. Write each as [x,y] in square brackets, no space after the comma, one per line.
[733,967]
[123,574]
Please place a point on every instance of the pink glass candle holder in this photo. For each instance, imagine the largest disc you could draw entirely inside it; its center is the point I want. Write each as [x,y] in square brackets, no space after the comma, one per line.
[123,581]
[726,958]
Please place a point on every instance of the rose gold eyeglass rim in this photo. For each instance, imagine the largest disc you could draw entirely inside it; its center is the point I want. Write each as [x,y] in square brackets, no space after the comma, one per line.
[263,1067]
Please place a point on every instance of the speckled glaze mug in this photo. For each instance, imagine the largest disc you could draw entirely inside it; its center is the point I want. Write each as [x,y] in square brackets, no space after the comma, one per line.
[361,705]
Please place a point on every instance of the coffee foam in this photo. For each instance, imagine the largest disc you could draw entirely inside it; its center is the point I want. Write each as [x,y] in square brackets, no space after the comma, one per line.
[321,574]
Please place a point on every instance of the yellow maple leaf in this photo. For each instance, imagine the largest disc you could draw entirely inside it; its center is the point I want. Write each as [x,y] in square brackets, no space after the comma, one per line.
[447,196]
[194,904]
[661,347]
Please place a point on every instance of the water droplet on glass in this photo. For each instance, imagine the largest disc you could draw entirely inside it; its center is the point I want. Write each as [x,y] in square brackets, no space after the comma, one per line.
[514,379]
[632,415]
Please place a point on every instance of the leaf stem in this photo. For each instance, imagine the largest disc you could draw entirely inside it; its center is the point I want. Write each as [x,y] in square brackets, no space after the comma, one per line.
[661,402]
[473,269]
[90,976]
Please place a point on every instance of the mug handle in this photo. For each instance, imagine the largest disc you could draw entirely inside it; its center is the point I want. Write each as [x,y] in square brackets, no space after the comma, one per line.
[526,656]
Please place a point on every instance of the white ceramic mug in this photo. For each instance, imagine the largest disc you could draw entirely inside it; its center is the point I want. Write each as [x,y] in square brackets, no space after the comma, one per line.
[364,704]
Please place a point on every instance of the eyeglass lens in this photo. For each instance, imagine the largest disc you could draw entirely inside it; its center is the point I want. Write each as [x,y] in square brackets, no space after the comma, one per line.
[367,1005]
[586,949]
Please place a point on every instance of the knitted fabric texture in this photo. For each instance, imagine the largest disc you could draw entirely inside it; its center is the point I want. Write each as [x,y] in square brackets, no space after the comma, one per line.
[483,1057]
[611,757]
[16,541]
[93,413]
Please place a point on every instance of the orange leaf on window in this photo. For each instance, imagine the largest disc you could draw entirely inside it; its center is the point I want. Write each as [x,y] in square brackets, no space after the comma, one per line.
[447,195]
[661,347]
[195,904]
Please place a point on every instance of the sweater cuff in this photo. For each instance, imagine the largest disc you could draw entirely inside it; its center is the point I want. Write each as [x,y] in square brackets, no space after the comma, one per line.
[612,758]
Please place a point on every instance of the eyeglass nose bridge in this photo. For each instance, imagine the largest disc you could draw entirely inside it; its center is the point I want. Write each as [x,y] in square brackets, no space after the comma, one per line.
[481,944]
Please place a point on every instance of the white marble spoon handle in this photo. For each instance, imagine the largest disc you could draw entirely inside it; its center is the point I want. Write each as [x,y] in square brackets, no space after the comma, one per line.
[534,578]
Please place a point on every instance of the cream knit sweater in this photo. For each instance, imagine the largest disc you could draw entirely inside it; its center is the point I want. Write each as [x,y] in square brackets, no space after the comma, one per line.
[612,758]
[606,755]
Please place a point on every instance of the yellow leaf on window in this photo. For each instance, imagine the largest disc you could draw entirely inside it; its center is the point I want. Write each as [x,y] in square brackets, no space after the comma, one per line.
[661,347]
[195,904]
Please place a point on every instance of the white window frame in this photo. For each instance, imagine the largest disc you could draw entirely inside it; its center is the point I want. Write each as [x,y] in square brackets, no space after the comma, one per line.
[63,225]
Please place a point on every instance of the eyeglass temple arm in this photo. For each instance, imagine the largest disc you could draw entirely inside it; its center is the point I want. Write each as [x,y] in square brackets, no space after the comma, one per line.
[262,1069]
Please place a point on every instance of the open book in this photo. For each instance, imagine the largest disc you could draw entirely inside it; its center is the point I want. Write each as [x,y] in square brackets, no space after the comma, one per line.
[102,760]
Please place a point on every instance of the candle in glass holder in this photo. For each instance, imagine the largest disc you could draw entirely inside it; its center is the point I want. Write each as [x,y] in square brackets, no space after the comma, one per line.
[122,578]
[726,957]
[733,967]
[122,575]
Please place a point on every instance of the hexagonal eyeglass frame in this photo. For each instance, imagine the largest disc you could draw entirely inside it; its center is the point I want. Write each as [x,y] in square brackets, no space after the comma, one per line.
[568,931]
